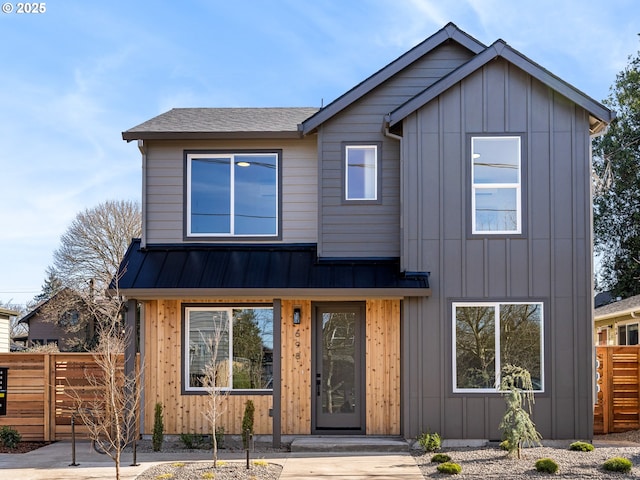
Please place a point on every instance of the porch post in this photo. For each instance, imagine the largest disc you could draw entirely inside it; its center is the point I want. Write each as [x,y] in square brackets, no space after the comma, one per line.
[276,413]
[132,337]
[130,351]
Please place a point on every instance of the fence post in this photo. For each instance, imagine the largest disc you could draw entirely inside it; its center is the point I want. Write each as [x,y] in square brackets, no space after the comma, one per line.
[73,441]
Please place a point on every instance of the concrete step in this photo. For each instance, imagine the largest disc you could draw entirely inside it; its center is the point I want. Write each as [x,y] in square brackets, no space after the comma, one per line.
[340,444]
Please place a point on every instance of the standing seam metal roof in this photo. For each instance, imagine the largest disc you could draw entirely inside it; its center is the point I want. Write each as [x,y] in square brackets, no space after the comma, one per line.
[286,266]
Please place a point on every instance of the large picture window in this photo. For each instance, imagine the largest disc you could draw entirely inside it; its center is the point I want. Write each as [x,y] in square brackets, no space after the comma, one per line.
[496,202]
[237,340]
[232,194]
[361,172]
[490,335]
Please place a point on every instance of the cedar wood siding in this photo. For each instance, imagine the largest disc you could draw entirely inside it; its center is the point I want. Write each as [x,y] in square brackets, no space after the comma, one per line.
[371,230]
[550,262]
[164,201]
[161,329]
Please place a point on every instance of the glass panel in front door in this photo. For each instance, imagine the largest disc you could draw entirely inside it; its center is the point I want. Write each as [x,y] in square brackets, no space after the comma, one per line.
[338,362]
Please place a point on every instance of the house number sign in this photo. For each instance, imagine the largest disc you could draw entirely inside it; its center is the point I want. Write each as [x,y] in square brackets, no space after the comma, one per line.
[297,343]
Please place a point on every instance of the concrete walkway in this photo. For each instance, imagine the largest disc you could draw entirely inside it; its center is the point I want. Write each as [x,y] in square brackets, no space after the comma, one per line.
[53,462]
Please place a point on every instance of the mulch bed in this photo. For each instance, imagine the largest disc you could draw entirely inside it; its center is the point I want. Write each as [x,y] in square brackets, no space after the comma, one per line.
[23,447]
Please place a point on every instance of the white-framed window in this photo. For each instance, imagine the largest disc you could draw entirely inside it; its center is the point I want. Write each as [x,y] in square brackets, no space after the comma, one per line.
[628,334]
[237,339]
[232,194]
[361,172]
[488,335]
[496,183]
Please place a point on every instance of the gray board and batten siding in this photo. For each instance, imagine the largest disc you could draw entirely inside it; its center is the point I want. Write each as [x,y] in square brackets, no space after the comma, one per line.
[549,262]
[371,230]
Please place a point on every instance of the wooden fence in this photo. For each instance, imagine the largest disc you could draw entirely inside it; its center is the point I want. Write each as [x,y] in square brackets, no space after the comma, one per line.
[43,389]
[40,385]
[618,389]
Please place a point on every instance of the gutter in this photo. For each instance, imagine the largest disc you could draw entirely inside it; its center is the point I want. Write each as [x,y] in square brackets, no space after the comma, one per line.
[633,312]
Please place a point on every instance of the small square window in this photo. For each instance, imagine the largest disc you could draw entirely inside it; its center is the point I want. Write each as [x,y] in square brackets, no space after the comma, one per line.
[361,172]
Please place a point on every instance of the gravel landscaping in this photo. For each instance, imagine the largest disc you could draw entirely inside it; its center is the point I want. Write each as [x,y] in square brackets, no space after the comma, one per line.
[492,462]
[486,462]
[203,470]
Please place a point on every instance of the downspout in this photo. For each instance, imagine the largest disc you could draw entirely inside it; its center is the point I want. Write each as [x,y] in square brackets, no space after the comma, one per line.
[387,133]
[143,151]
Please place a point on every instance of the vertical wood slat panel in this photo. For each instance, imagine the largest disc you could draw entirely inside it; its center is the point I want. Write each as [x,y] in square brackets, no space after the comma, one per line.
[296,369]
[383,367]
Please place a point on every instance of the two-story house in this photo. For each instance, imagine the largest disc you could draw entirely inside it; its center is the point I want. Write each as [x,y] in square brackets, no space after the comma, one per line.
[367,268]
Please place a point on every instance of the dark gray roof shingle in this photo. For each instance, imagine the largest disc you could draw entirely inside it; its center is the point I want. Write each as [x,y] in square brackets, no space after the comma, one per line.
[626,305]
[222,122]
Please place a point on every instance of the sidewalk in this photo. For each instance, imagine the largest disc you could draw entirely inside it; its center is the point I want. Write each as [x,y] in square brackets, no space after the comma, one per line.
[53,462]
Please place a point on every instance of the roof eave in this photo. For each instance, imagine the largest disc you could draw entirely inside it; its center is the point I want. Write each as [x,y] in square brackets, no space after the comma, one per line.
[629,311]
[268,293]
[602,115]
[449,32]
[260,135]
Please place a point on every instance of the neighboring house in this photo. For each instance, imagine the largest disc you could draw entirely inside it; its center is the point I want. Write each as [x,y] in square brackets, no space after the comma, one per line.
[5,329]
[386,254]
[617,323]
[63,320]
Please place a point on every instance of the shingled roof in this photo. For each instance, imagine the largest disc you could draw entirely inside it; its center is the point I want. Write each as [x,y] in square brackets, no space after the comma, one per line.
[202,123]
[619,308]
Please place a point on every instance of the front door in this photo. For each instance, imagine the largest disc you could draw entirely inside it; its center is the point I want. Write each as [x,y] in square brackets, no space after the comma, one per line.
[338,370]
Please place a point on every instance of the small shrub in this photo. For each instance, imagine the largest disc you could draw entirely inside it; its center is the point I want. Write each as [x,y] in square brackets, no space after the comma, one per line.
[164,476]
[10,437]
[431,442]
[158,429]
[618,464]
[581,447]
[247,423]
[440,458]
[192,441]
[208,475]
[261,463]
[177,464]
[546,465]
[449,467]
[504,445]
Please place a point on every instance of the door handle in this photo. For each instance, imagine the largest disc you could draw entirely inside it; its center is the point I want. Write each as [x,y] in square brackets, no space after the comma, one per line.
[318,384]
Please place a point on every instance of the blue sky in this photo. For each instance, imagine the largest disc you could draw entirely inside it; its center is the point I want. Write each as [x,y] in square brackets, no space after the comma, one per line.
[74,77]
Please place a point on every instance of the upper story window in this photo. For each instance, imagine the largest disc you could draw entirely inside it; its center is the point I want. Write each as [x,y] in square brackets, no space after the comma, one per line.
[361,172]
[232,194]
[496,180]
[232,344]
[488,335]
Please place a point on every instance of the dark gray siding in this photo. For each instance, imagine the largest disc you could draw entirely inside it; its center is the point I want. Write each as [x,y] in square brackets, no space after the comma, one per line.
[551,262]
[164,202]
[372,230]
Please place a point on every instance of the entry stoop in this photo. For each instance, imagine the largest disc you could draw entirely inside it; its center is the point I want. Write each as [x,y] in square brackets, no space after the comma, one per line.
[341,444]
